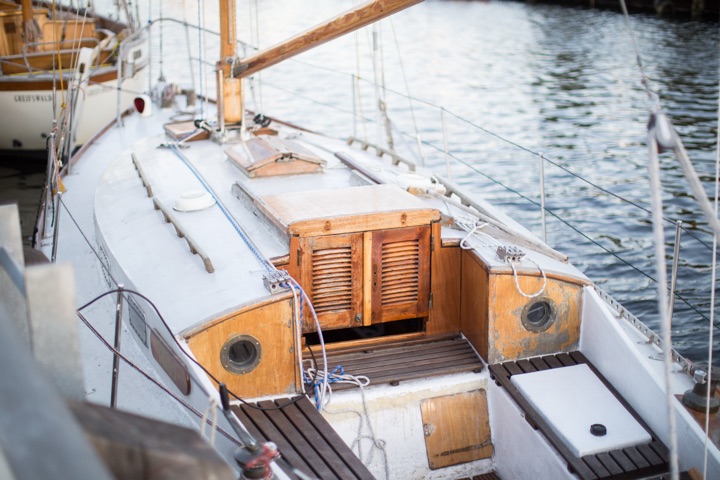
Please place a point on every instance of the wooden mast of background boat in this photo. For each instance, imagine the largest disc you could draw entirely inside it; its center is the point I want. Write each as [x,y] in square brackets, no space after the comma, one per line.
[30,28]
[233,71]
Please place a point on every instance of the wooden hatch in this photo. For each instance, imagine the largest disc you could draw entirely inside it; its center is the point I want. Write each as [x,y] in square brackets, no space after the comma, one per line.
[362,254]
[457,428]
[265,156]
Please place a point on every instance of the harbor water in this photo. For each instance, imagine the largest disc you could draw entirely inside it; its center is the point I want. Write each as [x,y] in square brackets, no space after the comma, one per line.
[519,83]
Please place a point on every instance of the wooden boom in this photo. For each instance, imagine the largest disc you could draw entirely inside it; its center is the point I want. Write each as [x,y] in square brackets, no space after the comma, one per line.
[349,21]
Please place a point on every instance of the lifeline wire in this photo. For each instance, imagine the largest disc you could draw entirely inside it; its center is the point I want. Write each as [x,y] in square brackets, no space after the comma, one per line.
[153,380]
[180,347]
[499,137]
[157,311]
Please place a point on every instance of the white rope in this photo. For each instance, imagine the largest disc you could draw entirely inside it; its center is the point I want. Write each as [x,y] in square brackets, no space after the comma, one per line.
[361,381]
[322,343]
[210,411]
[472,227]
[517,282]
[297,300]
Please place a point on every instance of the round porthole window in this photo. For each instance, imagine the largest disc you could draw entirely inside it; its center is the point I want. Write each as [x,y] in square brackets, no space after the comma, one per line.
[538,314]
[241,354]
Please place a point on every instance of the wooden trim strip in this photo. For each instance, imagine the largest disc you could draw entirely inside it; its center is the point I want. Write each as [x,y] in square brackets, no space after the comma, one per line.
[182,233]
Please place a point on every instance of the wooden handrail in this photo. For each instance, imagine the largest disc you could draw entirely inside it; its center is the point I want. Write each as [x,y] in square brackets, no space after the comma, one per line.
[349,21]
[182,233]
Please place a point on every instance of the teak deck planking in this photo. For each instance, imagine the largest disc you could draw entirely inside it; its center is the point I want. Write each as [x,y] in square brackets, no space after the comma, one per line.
[400,362]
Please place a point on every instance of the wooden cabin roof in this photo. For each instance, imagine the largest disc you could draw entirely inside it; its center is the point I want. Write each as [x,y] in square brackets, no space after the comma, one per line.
[353,209]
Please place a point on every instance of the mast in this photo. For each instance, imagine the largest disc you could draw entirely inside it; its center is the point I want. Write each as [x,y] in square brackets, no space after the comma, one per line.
[31,31]
[230,95]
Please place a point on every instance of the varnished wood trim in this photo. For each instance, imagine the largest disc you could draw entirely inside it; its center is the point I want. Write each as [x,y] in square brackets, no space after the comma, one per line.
[367,278]
[444,316]
[243,308]
[375,342]
[530,271]
[364,222]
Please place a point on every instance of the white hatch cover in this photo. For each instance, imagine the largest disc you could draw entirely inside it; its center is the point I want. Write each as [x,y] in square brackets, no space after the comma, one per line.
[572,400]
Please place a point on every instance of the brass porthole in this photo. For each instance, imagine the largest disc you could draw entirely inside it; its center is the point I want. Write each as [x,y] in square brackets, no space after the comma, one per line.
[538,314]
[241,354]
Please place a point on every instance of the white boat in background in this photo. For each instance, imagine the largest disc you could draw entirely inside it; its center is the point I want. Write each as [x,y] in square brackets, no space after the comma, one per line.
[354,314]
[52,58]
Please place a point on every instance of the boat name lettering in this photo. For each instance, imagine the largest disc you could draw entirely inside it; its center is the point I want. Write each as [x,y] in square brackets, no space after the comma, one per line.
[32,98]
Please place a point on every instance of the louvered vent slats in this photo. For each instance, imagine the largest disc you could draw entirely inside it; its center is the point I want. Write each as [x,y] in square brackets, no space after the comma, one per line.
[400,272]
[332,279]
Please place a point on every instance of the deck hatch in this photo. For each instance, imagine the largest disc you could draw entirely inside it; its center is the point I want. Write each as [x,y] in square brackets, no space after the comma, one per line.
[267,156]
[639,461]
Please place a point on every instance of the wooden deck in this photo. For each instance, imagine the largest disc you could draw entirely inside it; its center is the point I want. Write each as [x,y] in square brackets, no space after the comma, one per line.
[641,461]
[303,437]
[396,362]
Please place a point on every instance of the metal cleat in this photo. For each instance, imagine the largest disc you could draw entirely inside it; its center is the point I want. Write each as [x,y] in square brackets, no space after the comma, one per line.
[510,253]
[276,281]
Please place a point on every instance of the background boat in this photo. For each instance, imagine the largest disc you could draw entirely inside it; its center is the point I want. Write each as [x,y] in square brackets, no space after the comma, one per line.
[52,57]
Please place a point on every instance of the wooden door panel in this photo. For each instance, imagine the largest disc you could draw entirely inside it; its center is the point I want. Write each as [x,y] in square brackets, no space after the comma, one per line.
[400,275]
[331,275]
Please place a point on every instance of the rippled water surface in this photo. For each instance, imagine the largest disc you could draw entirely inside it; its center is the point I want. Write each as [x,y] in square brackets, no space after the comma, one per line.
[517,80]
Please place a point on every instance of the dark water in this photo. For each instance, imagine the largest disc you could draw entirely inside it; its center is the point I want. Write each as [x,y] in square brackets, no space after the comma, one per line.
[561,81]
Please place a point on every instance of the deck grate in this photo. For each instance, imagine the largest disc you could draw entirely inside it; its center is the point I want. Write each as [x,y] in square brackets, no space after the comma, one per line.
[399,361]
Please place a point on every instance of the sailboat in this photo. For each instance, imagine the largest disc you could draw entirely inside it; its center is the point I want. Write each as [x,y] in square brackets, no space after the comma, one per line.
[54,60]
[351,314]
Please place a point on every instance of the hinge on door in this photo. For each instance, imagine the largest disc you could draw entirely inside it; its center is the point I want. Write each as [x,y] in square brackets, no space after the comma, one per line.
[430,301]
[432,242]
[299,252]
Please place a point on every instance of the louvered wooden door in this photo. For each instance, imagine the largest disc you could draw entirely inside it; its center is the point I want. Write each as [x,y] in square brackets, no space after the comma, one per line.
[400,274]
[331,274]
[364,278]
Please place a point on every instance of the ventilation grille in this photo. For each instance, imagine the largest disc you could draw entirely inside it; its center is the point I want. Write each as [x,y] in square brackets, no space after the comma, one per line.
[332,279]
[400,272]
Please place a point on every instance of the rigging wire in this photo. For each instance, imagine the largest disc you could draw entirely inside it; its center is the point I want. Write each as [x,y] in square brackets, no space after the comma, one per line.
[181,348]
[711,331]
[474,125]
[167,327]
[663,301]
[409,97]
[431,145]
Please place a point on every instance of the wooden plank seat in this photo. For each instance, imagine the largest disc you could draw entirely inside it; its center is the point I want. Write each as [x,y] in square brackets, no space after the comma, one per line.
[484,476]
[640,461]
[304,438]
[399,361]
